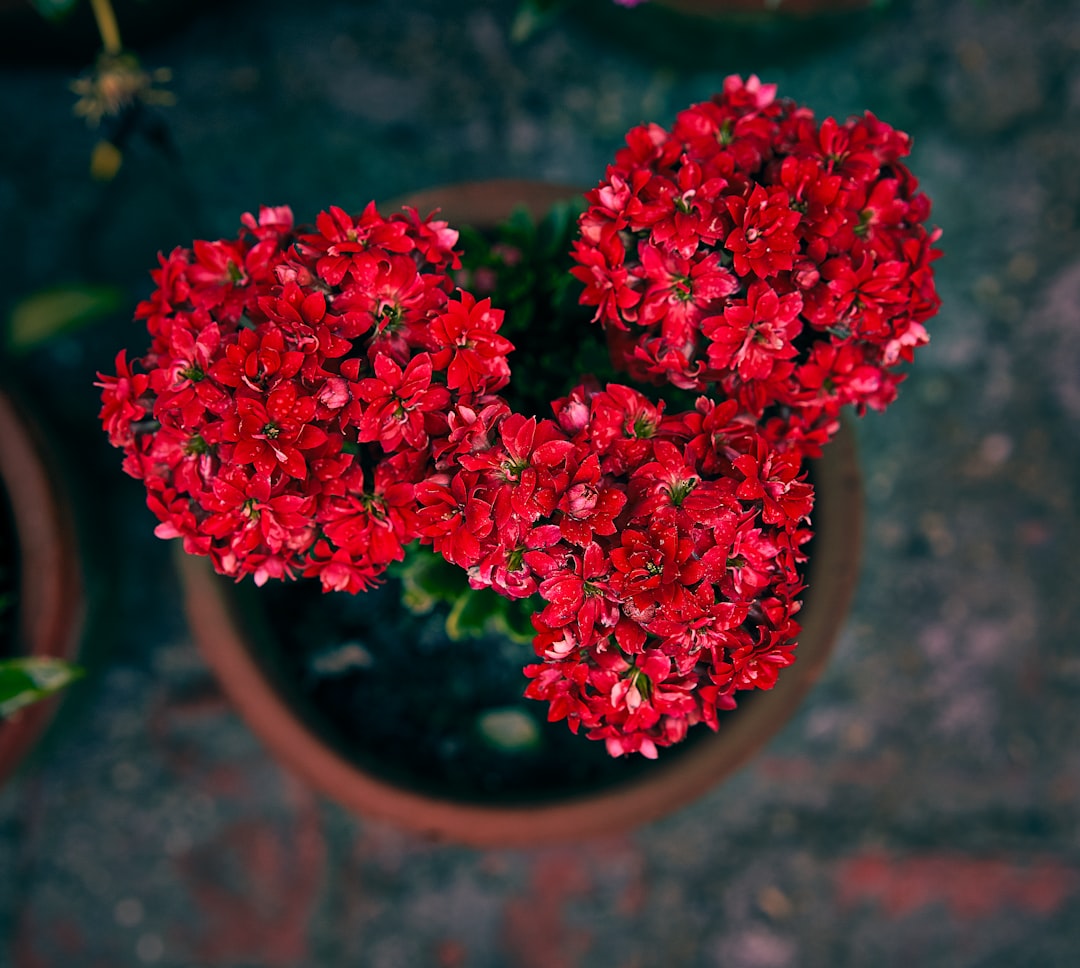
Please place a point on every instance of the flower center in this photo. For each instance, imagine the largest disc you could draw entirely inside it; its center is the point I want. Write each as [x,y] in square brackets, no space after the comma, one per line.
[644,427]
[195,445]
[512,469]
[389,316]
[641,682]
[678,491]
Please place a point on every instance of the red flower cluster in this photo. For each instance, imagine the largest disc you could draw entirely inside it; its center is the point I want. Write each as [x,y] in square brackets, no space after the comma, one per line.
[296,388]
[664,547]
[749,248]
[314,400]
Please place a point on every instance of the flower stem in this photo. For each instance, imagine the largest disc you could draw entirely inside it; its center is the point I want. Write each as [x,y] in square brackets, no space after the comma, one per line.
[106,24]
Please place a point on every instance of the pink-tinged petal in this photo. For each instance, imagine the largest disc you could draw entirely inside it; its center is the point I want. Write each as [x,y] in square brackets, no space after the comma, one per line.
[334,393]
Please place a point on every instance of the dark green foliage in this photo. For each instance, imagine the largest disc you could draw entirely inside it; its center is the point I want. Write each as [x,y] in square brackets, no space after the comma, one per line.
[524,266]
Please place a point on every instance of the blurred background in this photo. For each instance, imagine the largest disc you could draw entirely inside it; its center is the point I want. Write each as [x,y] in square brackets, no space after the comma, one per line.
[923,806]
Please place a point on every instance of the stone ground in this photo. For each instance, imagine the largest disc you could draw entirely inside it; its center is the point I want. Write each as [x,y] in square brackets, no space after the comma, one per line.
[922,806]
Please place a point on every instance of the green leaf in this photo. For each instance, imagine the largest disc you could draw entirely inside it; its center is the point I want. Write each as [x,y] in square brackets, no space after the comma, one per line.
[528,261]
[427,579]
[417,601]
[514,619]
[25,681]
[50,312]
[472,612]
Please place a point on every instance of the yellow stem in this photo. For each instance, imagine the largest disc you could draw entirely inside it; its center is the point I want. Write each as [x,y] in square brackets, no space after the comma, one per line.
[106,23]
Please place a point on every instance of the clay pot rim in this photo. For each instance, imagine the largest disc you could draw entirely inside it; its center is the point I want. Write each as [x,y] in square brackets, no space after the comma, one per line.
[51,598]
[833,573]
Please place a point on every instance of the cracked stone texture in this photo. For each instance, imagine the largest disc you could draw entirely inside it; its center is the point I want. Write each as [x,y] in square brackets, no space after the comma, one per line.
[921,807]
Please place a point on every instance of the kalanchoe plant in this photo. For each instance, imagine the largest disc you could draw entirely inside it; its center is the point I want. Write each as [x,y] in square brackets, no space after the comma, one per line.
[317,401]
[751,253]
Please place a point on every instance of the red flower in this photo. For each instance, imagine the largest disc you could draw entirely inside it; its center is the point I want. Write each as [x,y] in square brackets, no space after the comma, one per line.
[120,401]
[678,209]
[341,237]
[526,468]
[763,240]
[581,593]
[180,381]
[339,570]
[679,292]
[589,506]
[823,213]
[524,555]
[672,485]
[469,347]
[454,518]
[397,401]
[775,480]
[218,275]
[652,566]
[249,512]
[753,337]
[258,359]
[273,434]
[607,281]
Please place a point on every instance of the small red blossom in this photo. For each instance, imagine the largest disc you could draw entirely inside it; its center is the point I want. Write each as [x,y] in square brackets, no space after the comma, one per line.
[468,346]
[582,595]
[753,337]
[763,240]
[120,406]
[454,517]
[396,401]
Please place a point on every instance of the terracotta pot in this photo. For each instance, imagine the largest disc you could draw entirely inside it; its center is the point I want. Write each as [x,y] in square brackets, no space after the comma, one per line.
[484,203]
[670,783]
[51,606]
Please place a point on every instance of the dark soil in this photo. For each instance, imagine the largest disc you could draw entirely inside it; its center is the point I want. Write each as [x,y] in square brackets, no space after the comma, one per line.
[394,693]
